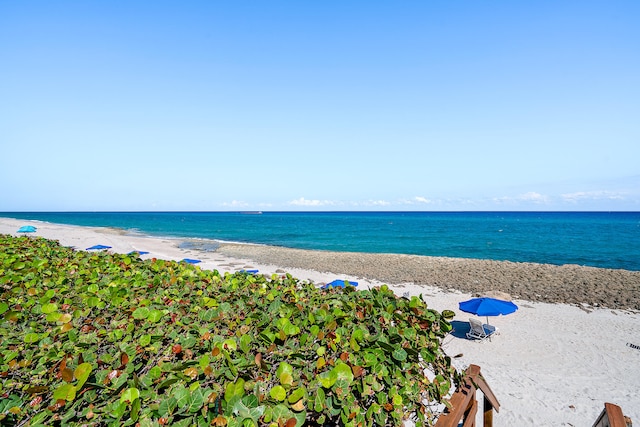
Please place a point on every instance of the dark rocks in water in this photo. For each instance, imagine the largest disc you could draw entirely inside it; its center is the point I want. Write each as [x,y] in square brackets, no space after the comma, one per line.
[568,284]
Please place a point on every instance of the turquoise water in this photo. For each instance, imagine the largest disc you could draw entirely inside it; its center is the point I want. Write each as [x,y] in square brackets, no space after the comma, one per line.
[598,239]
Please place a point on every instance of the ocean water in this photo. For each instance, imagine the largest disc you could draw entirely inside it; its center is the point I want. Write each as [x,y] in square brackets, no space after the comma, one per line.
[598,239]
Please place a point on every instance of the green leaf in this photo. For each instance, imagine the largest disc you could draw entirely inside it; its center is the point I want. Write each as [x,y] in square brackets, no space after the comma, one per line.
[145,340]
[282,322]
[140,313]
[204,361]
[155,316]
[31,337]
[251,401]
[284,373]
[268,336]
[343,372]
[118,409]
[65,317]
[291,329]
[168,382]
[65,392]
[155,373]
[353,343]
[314,330]
[130,394]
[54,316]
[319,400]
[186,422]
[253,413]
[135,409]
[167,406]
[278,393]
[245,343]
[230,345]
[50,293]
[208,315]
[82,373]
[245,412]
[234,390]
[399,354]
[446,326]
[49,308]
[182,396]
[38,419]
[411,335]
[448,315]
[397,400]
[328,378]
[286,379]
[297,394]
[281,413]
[93,301]
[9,355]
[196,401]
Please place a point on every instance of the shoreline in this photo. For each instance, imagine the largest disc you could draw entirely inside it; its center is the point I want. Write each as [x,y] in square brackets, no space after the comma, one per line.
[595,239]
[551,364]
[574,284]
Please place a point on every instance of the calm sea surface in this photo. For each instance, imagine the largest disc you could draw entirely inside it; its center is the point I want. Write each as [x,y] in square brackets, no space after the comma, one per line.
[599,239]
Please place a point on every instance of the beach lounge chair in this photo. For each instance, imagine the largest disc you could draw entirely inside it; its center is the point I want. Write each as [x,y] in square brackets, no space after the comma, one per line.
[479,331]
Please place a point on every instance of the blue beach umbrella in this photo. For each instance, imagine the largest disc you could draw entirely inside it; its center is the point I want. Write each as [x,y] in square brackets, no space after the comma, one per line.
[27,229]
[486,306]
[98,247]
[339,284]
[191,261]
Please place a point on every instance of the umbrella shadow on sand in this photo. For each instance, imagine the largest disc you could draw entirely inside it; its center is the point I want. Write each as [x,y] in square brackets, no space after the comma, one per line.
[460,329]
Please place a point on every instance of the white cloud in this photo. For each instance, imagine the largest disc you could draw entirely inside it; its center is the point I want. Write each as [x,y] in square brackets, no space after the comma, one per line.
[304,202]
[591,195]
[534,197]
[415,201]
[379,203]
[420,199]
[500,200]
[235,204]
[531,197]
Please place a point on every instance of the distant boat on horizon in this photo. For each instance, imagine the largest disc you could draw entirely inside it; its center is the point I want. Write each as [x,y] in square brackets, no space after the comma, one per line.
[251,212]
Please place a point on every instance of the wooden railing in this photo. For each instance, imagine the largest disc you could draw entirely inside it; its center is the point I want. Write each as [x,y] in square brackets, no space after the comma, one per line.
[612,416]
[464,405]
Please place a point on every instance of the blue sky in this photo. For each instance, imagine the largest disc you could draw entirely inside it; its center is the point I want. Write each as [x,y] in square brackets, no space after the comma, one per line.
[331,105]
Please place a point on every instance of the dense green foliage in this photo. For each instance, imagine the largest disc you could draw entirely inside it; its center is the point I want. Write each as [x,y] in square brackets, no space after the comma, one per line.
[109,339]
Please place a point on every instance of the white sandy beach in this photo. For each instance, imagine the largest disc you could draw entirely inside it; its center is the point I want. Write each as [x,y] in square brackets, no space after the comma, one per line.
[550,365]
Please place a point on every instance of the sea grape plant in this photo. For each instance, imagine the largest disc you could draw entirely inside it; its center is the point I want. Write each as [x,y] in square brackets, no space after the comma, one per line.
[110,339]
